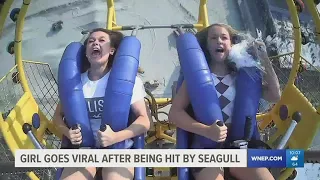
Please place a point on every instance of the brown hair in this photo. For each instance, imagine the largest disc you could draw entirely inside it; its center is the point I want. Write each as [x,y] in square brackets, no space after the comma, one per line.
[202,37]
[115,40]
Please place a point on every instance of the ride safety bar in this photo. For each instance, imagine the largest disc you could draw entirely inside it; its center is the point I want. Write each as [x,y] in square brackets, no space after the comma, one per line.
[173,26]
[296,117]
[135,28]
[27,129]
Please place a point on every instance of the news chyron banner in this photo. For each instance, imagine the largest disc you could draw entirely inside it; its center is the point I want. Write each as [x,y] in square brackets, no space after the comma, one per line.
[130,158]
[158,158]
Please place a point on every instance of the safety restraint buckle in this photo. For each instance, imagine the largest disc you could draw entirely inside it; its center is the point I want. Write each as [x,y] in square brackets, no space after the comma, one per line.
[240,144]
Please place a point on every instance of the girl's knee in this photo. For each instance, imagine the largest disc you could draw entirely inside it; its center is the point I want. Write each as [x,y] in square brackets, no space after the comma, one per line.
[211,173]
[78,173]
[118,173]
[251,173]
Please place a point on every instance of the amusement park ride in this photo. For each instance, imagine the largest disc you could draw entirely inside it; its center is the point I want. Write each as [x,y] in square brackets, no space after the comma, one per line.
[26,123]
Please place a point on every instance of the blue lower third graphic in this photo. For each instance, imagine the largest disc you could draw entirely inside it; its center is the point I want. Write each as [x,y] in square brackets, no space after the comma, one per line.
[295,158]
[266,158]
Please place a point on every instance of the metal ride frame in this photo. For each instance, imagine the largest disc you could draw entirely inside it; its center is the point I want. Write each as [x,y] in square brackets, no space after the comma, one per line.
[27,102]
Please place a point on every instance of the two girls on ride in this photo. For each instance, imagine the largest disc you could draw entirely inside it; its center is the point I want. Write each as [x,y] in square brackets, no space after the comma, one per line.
[216,41]
[100,49]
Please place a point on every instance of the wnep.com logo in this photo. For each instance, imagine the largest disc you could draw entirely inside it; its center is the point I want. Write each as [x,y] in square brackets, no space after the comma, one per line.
[275,158]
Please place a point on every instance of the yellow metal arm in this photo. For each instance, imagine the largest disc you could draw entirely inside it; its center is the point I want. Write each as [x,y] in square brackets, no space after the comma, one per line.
[18,44]
[203,20]
[111,16]
[297,40]
[315,14]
